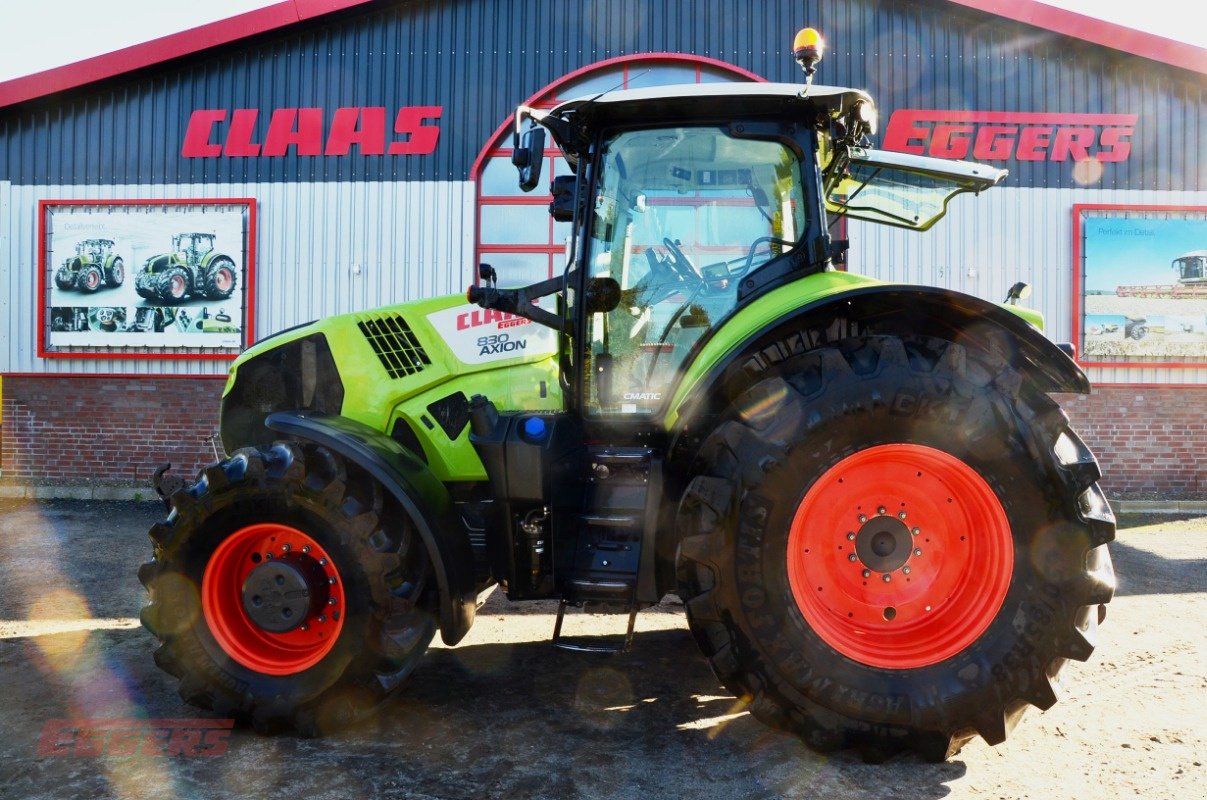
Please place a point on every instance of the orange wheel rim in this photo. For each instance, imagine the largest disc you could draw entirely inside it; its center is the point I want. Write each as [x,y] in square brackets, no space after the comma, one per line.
[227,589]
[900,556]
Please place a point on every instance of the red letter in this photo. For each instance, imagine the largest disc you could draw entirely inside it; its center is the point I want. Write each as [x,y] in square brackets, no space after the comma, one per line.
[238,139]
[901,133]
[1033,142]
[421,139]
[197,136]
[215,743]
[1072,141]
[57,737]
[300,127]
[184,742]
[370,136]
[1114,139]
[951,141]
[994,143]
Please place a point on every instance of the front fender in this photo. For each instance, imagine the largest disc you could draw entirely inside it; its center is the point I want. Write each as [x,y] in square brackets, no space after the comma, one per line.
[416,489]
[864,307]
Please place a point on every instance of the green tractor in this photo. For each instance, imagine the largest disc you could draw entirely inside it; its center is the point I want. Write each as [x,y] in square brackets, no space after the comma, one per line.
[93,266]
[192,269]
[885,533]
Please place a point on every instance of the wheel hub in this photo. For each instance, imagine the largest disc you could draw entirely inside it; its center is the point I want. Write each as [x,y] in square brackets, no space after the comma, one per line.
[883,544]
[279,595]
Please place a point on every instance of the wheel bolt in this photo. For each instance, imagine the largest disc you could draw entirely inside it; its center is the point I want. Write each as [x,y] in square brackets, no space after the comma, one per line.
[305,627]
[850,536]
[867,573]
[881,511]
[331,580]
[863,518]
[305,548]
[917,551]
[887,577]
[916,531]
[905,569]
[852,557]
[268,556]
[322,617]
[900,515]
[331,600]
[285,548]
[322,562]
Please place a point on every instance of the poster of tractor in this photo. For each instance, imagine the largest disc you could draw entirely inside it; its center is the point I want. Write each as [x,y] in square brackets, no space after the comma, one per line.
[165,278]
[1142,280]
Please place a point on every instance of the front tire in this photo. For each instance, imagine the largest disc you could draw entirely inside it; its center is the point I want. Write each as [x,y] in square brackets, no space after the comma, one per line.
[894,544]
[289,513]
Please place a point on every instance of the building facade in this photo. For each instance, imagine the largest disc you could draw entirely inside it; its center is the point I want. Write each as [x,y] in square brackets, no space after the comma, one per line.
[346,154]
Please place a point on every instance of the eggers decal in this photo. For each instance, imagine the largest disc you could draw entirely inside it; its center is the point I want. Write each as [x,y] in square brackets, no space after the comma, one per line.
[1007,135]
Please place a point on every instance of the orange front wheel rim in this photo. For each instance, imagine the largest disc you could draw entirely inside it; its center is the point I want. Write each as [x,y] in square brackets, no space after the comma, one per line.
[273,599]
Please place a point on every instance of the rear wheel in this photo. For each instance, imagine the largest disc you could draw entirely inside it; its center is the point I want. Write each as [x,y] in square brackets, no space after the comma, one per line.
[219,281]
[894,544]
[115,275]
[287,591]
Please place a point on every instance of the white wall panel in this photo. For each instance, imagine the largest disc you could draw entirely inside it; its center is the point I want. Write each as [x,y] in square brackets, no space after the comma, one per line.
[322,249]
[1007,234]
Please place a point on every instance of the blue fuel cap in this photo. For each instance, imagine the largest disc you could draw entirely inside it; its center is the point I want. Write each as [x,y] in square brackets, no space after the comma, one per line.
[535,428]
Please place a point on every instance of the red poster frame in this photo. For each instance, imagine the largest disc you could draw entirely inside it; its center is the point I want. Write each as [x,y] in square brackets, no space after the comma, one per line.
[249,334]
[1079,210]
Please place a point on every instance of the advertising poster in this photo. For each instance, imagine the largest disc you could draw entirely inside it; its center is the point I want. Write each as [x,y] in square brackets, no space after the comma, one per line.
[166,278]
[1144,286]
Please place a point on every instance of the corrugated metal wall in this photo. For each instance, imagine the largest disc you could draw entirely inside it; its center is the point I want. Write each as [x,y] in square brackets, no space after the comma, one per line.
[407,220]
[478,58]
[323,249]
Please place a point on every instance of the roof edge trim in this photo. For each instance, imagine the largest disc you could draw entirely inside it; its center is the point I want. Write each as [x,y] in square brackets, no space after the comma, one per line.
[165,48]
[1096,31]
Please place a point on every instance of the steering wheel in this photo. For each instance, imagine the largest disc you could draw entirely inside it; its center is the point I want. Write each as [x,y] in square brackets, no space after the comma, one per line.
[681,263]
[754,246]
[658,283]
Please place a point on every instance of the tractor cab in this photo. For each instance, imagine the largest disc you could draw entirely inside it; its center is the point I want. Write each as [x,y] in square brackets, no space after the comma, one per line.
[97,250]
[689,203]
[192,247]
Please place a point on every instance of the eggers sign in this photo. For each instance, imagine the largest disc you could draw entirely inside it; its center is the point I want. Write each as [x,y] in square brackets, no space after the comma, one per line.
[1007,135]
[214,132]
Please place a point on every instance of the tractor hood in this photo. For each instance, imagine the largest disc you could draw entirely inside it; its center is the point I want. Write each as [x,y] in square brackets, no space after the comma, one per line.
[397,361]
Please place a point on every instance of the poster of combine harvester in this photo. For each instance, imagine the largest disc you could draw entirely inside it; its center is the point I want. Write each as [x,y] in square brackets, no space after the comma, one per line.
[1144,286]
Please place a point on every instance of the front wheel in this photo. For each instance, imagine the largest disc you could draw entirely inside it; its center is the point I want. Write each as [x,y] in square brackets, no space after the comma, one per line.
[287,591]
[894,544]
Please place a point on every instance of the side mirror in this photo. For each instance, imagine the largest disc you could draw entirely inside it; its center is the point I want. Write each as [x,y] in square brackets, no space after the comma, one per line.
[528,154]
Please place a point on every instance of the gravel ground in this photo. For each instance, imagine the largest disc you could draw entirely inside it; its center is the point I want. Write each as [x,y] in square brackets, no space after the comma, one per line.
[505,715]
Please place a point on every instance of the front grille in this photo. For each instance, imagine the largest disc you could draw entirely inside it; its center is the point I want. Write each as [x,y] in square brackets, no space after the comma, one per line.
[395,344]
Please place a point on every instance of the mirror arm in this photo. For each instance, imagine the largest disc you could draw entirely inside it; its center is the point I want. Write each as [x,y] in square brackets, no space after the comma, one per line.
[522,302]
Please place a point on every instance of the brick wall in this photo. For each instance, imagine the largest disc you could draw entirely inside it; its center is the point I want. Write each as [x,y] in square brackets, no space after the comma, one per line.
[104,430]
[1150,440]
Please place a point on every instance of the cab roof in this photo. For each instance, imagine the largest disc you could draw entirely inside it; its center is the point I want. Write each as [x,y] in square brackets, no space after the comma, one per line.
[695,100]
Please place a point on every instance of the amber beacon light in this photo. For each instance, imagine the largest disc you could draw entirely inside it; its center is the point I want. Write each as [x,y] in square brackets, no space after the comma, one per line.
[808,47]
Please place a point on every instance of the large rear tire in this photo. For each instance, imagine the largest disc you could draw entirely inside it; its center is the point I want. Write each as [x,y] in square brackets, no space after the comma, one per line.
[317,655]
[220,279]
[894,544]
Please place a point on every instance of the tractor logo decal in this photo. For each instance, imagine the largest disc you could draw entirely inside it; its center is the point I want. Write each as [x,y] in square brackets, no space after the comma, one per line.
[475,335]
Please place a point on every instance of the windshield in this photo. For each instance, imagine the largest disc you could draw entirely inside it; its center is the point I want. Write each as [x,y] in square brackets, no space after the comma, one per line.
[680,214]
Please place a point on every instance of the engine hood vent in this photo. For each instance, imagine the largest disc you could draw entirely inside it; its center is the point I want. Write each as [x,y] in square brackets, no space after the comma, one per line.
[394,342]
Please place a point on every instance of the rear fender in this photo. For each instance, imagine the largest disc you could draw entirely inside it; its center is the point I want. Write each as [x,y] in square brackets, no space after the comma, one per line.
[417,490]
[881,309]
